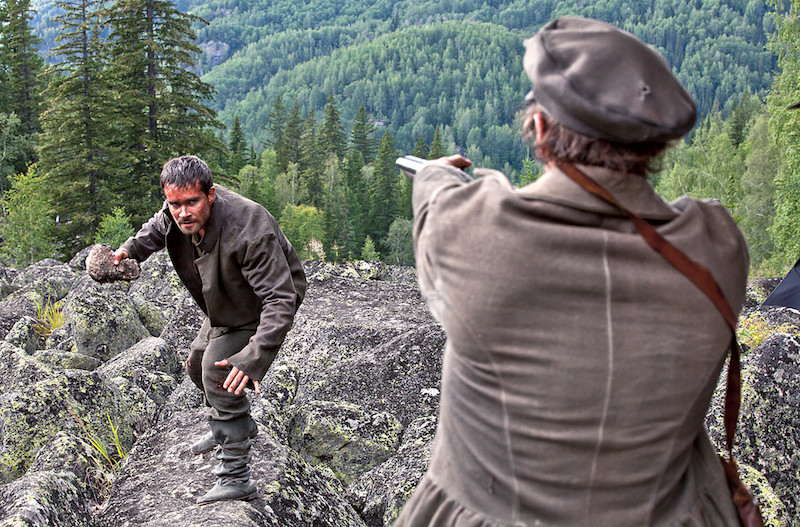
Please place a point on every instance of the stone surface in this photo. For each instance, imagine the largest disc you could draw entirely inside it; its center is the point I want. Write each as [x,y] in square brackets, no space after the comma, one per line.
[347,413]
[100,265]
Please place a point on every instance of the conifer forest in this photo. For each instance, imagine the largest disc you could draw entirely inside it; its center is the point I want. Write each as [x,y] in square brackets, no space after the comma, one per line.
[304,106]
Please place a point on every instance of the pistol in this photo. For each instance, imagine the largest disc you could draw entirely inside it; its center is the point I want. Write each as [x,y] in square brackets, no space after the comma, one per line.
[409,163]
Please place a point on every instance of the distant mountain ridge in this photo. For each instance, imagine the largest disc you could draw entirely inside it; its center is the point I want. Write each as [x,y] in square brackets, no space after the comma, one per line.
[256,50]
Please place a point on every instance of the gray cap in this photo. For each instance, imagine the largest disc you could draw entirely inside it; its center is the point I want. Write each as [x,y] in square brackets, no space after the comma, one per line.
[604,82]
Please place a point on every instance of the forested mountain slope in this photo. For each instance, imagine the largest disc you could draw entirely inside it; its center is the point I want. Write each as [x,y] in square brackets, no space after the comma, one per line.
[419,64]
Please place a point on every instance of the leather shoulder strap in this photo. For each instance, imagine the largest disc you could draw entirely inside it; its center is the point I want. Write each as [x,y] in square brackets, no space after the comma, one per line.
[697,273]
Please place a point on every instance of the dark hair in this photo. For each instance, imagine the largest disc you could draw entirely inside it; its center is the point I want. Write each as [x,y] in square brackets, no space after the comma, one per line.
[185,171]
[560,143]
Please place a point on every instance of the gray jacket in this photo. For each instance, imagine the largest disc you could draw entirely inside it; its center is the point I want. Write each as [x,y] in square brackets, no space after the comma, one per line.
[249,275]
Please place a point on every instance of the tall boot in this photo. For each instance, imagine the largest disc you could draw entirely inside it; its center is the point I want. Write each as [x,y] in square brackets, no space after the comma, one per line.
[207,443]
[233,471]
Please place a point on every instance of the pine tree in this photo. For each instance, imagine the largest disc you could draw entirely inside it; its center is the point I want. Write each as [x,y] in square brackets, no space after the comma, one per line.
[237,147]
[338,230]
[292,134]
[361,134]
[357,206]
[437,146]
[420,147]
[160,105]
[76,139]
[382,190]
[23,83]
[276,128]
[332,135]
[311,162]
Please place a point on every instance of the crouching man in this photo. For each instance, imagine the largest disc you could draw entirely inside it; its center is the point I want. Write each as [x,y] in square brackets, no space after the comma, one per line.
[241,270]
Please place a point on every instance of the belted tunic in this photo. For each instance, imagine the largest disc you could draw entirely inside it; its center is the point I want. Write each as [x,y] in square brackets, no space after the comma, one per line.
[579,364]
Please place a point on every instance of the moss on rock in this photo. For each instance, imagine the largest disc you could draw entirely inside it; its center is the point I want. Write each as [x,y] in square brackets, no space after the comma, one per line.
[343,436]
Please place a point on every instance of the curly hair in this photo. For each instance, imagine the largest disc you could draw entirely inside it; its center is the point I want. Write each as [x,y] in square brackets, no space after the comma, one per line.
[560,143]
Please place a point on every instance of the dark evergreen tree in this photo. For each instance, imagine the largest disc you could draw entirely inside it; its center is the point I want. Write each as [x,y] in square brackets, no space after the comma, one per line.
[333,137]
[237,147]
[357,204]
[437,146]
[361,134]
[160,103]
[311,162]
[292,134]
[276,128]
[76,139]
[23,86]
[383,191]
[420,147]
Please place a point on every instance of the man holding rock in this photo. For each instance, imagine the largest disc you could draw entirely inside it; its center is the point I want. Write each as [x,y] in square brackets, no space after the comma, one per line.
[244,274]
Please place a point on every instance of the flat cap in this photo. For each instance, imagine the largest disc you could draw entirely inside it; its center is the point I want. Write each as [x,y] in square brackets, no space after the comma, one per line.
[604,82]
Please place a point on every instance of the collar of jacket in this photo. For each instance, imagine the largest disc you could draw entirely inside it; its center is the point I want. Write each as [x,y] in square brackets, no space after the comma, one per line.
[634,192]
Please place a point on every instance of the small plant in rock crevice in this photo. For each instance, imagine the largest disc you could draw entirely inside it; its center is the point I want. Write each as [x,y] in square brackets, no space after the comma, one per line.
[754,329]
[49,317]
[107,455]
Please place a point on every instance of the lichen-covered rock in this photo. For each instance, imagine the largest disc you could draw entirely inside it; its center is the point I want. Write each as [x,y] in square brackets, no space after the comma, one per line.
[44,499]
[151,316]
[349,440]
[50,278]
[773,510]
[7,275]
[102,319]
[100,265]
[278,389]
[185,397]
[18,369]
[59,359]
[73,401]
[182,326]
[158,289]
[43,282]
[363,342]
[68,453]
[768,439]
[161,480]
[25,334]
[351,335]
[757,292]
[151,365]
[380,494]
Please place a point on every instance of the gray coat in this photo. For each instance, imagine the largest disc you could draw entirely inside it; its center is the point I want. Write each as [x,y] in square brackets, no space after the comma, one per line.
[249,275]
[579,364]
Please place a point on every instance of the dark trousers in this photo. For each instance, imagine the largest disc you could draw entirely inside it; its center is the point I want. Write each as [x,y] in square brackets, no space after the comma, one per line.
[211,345]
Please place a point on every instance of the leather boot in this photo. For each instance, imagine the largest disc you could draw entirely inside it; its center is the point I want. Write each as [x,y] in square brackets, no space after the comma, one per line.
[233,471]
[207,443]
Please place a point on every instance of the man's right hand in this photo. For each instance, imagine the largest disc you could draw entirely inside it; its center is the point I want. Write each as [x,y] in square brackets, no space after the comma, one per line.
[120,255]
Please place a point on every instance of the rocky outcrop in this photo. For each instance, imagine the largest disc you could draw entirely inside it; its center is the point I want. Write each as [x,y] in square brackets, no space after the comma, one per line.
[347,413]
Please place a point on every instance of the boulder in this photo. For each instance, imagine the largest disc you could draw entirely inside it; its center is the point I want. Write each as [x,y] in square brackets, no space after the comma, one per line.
[39,284]
[381,493]
[768,438]
[343,436]
[44,499]
[81,403]
[102,318]
[162,480]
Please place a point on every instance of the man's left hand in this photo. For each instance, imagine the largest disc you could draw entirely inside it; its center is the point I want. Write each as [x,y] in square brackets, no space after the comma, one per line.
[237,380]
